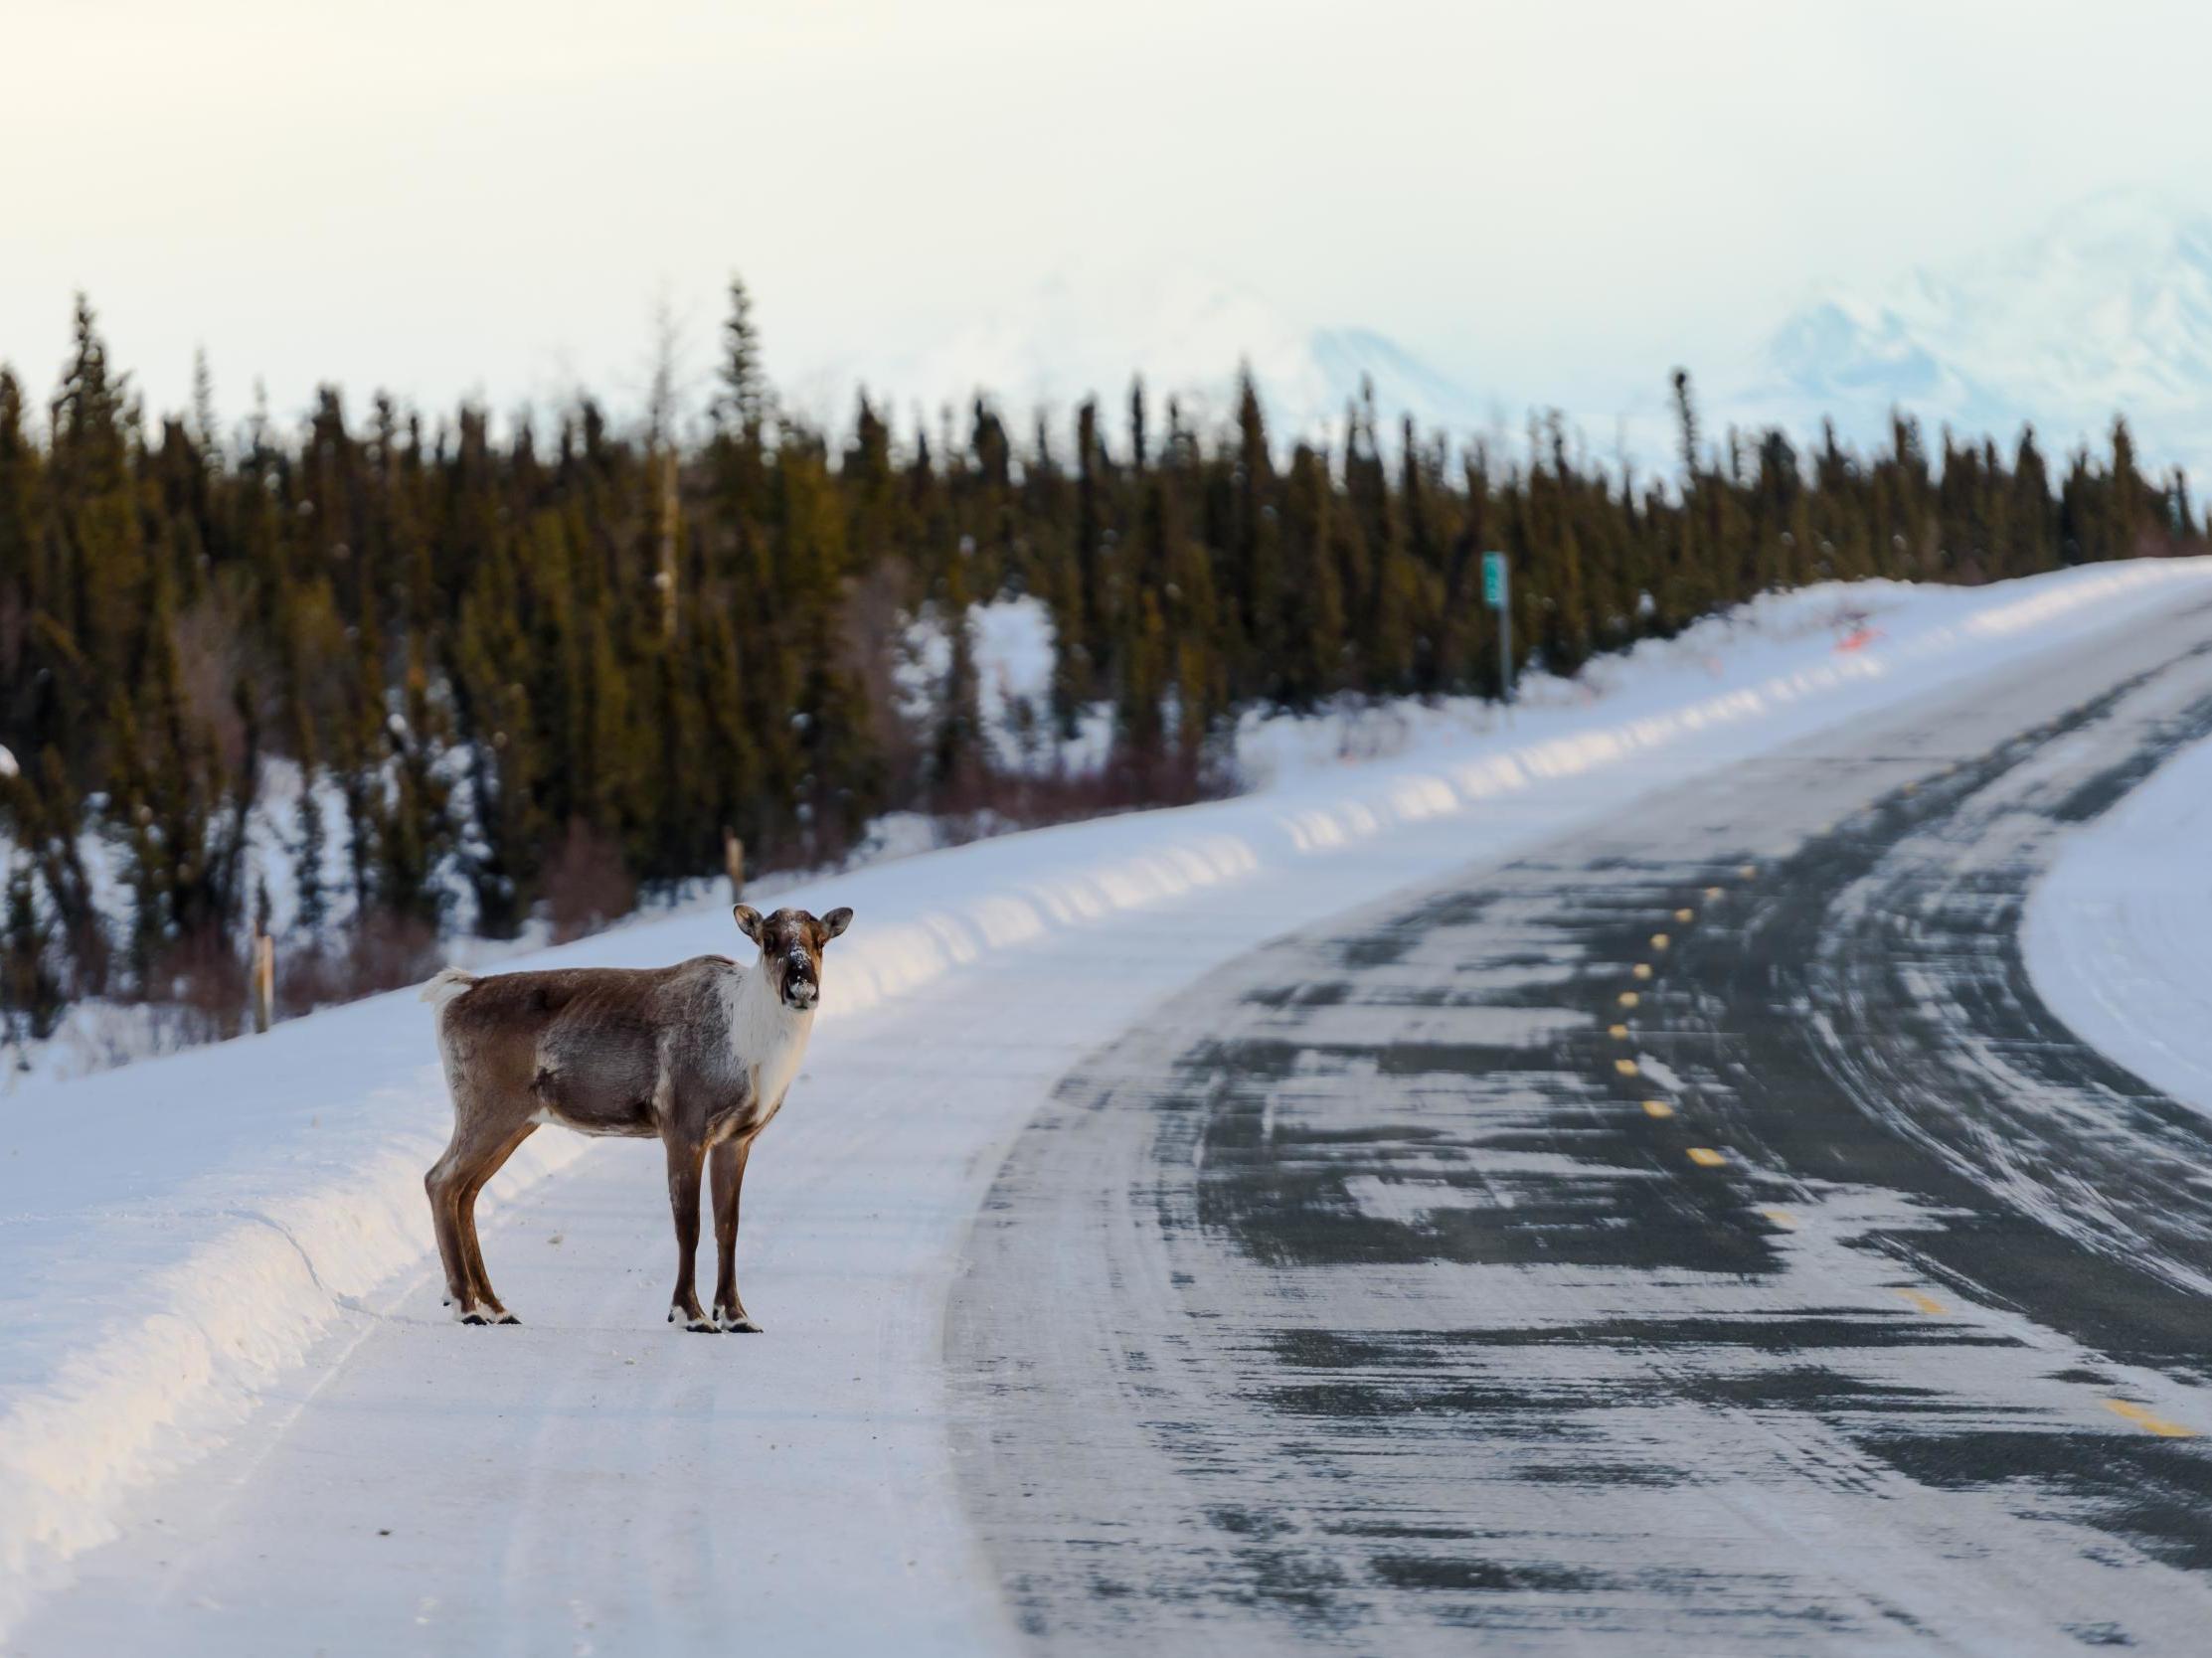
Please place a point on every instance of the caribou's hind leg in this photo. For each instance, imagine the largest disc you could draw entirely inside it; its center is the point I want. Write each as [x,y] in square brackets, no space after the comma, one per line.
[473,1252]
[486,1130]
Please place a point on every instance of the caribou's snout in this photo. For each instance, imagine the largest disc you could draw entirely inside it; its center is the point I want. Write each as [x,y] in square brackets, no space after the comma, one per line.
[800,989]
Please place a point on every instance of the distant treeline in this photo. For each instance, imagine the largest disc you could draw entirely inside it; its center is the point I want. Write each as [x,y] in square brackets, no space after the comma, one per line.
[581,654]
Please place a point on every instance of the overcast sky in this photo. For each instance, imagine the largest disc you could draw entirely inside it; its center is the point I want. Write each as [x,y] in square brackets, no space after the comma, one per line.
[1551,200]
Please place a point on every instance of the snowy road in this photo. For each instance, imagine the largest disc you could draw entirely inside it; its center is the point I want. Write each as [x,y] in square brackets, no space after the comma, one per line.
[1697,1237]
[1347,1292]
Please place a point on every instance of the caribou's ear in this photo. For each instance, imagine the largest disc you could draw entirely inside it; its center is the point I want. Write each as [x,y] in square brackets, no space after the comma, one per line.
[749,920]
[835,922]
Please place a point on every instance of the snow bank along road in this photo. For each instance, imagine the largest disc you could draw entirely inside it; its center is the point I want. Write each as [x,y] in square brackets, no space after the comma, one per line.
[2119,932]
[232,1417]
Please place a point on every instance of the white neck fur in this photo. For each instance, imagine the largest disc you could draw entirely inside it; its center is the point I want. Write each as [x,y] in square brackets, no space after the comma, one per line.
[767,1037]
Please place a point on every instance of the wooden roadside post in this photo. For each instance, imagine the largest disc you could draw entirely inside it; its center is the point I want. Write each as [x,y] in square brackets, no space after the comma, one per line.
[732,863]
[264,981]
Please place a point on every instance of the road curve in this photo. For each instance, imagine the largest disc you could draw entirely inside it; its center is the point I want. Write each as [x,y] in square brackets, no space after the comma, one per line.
[1696,1239]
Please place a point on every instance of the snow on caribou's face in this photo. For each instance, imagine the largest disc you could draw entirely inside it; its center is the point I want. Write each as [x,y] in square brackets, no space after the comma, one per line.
[791,943]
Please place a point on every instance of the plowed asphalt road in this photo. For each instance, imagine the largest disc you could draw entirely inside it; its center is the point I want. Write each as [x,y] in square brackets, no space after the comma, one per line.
[1696,1239]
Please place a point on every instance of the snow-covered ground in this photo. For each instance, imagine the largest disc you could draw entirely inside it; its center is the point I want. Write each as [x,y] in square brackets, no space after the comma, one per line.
[2119,932]
[179,1237]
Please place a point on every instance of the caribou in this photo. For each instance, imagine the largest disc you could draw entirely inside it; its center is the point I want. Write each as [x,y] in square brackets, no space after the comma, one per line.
[698,1055]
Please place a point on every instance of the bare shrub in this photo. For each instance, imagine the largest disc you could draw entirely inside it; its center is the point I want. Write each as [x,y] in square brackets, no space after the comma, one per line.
[381,951]
[200,984]
[587,884]
[984,800]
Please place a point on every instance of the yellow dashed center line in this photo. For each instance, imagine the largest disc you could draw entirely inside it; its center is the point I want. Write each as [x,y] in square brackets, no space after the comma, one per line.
[1705,1157]
[1658,940]
[1626,1068]
[1781,1218]
[1925,1303]
[1712,895]
[2148,1421]
[1750,872]
[1629,998]
[1657,1109]
[1685,916]
[1643,969]
[1618,1032]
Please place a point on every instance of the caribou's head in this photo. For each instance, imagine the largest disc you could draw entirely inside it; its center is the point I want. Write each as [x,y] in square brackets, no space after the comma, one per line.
[791,943]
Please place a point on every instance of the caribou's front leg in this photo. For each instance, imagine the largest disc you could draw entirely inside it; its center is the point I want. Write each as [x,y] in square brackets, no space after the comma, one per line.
[728,1170]
[685,1156]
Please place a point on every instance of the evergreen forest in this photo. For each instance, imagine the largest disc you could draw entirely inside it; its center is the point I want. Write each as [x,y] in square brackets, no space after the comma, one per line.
[546,666]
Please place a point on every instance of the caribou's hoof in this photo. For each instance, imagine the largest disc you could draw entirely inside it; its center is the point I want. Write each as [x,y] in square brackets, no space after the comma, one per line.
[472,1316]
[506,1318]
[736,1324]
[697,1322]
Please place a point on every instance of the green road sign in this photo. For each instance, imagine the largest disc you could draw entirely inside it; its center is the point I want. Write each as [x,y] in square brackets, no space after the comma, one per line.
[1493,594]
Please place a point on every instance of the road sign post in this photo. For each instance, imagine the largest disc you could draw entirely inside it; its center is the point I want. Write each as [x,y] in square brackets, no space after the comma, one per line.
[1496,587]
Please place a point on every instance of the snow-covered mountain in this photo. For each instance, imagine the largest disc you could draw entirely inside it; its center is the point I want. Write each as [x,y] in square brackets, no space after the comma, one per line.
[2108,309]
[2104,310]
[1185,335]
